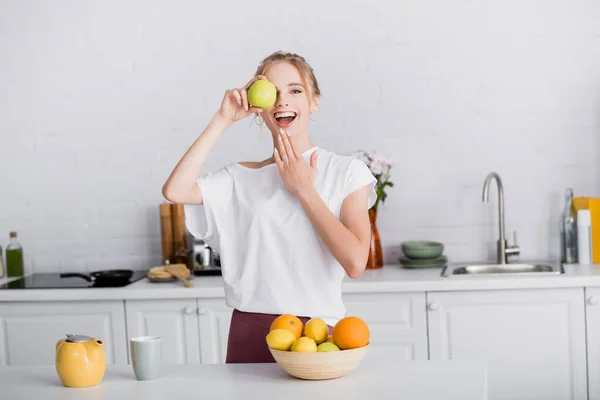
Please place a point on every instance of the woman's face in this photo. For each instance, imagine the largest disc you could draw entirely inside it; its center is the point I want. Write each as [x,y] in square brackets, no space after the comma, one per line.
[291,111]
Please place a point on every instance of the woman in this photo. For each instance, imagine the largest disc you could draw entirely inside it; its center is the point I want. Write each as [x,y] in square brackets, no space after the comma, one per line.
[287,228]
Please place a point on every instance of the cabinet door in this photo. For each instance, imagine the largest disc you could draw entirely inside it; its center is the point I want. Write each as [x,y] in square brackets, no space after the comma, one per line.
[593,341]
[532,340]
[29,330]
[214,319]
[397,322]
[175,321]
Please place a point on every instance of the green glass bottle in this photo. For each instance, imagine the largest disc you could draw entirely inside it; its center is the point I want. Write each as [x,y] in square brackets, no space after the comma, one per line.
[1,264]
[14,257]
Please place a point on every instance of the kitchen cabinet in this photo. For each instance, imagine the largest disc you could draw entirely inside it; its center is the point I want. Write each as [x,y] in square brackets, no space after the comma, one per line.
[214,319]
[592,299]
[176,321]
[29,330]
[397,322]
[194,331]
[533,340]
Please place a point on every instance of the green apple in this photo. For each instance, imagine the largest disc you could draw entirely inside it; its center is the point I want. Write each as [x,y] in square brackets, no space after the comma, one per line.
[327,346]
[262,94]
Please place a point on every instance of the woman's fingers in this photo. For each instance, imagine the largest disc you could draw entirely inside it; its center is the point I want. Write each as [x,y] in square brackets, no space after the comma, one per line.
[289,148]
[244,99]
[278,159]
[238,97]
[283,151]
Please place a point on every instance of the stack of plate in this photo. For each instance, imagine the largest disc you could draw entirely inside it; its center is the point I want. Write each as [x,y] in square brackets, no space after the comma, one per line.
[423,254]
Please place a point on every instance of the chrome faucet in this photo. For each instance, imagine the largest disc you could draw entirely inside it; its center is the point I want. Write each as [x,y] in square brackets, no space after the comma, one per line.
[503,249]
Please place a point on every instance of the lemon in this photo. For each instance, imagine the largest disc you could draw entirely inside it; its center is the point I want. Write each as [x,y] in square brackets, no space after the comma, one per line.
[280,339]
[330,339]
[316,329]
[327,346]
[304,345]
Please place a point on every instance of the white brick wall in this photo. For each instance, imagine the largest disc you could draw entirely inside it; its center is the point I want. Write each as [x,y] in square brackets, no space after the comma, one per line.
[99,99]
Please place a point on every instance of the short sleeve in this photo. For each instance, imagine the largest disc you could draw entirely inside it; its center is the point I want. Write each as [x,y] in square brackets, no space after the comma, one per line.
[202,221]
[360,175]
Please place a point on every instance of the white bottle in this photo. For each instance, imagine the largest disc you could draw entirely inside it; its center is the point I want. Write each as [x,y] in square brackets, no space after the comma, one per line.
[584,236]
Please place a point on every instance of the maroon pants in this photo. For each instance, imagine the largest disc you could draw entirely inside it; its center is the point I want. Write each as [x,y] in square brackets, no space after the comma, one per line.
[247,337]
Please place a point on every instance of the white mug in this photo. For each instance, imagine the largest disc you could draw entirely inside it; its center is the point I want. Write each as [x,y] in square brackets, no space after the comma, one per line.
[146,357]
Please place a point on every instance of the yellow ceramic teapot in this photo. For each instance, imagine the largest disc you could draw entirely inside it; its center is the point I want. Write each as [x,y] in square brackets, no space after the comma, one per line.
[80,361]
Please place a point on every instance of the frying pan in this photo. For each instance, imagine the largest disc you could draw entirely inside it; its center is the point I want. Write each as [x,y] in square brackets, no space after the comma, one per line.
[107,277]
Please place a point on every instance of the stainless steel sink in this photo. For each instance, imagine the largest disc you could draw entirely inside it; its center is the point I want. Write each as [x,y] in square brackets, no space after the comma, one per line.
[502,266]
[502,269]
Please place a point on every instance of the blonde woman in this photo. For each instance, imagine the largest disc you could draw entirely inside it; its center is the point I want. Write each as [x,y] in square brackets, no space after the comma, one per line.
[287,228]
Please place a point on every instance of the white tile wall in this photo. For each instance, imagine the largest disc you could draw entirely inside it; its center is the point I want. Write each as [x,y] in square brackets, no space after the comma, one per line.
[99,99]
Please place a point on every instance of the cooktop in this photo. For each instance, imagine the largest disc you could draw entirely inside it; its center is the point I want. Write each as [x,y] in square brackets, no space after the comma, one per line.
[55,281]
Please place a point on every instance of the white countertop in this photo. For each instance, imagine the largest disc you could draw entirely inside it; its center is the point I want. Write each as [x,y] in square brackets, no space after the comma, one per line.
[390,278]
[373,378]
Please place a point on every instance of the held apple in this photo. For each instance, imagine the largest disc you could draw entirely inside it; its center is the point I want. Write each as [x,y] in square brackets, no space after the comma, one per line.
[262,94]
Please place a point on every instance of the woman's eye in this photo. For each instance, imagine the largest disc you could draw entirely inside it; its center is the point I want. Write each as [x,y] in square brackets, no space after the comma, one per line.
[296,91]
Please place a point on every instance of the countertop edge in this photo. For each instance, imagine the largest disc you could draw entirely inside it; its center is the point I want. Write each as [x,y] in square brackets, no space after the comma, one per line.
[389,279]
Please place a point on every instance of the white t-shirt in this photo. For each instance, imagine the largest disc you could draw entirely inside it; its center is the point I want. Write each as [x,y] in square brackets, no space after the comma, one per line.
[272,258]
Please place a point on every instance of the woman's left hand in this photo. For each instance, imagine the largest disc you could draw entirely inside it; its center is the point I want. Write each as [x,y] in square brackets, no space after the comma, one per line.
[297,175]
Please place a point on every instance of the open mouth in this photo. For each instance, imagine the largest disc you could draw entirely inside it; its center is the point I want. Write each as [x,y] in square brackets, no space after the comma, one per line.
[285,119]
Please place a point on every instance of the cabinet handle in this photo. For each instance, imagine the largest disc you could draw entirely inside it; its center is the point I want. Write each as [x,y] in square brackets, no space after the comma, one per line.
[189,310]
[201,311]
[433,307]
[593,301]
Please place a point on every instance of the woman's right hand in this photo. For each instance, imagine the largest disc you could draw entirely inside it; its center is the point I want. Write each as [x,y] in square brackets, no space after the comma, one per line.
[235,103]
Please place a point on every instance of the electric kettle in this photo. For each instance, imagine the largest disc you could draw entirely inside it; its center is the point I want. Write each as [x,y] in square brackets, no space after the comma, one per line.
[80,361]
[206,260]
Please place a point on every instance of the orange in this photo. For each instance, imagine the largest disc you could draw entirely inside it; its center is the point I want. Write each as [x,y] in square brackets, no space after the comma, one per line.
[350,333]
[289,322]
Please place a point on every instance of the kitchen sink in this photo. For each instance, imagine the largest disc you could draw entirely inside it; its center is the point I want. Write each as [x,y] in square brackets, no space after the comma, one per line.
[502,269]
[502,265]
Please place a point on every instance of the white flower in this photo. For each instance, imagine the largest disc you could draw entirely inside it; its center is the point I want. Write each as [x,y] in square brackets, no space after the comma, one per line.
[377,163]
[378,158]
[377,167]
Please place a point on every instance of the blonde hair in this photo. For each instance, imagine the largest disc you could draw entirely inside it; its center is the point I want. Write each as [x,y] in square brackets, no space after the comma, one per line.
[308,75]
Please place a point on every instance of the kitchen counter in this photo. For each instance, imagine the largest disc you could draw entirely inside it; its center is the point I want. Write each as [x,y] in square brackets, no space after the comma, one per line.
[374,378]
[390,278]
